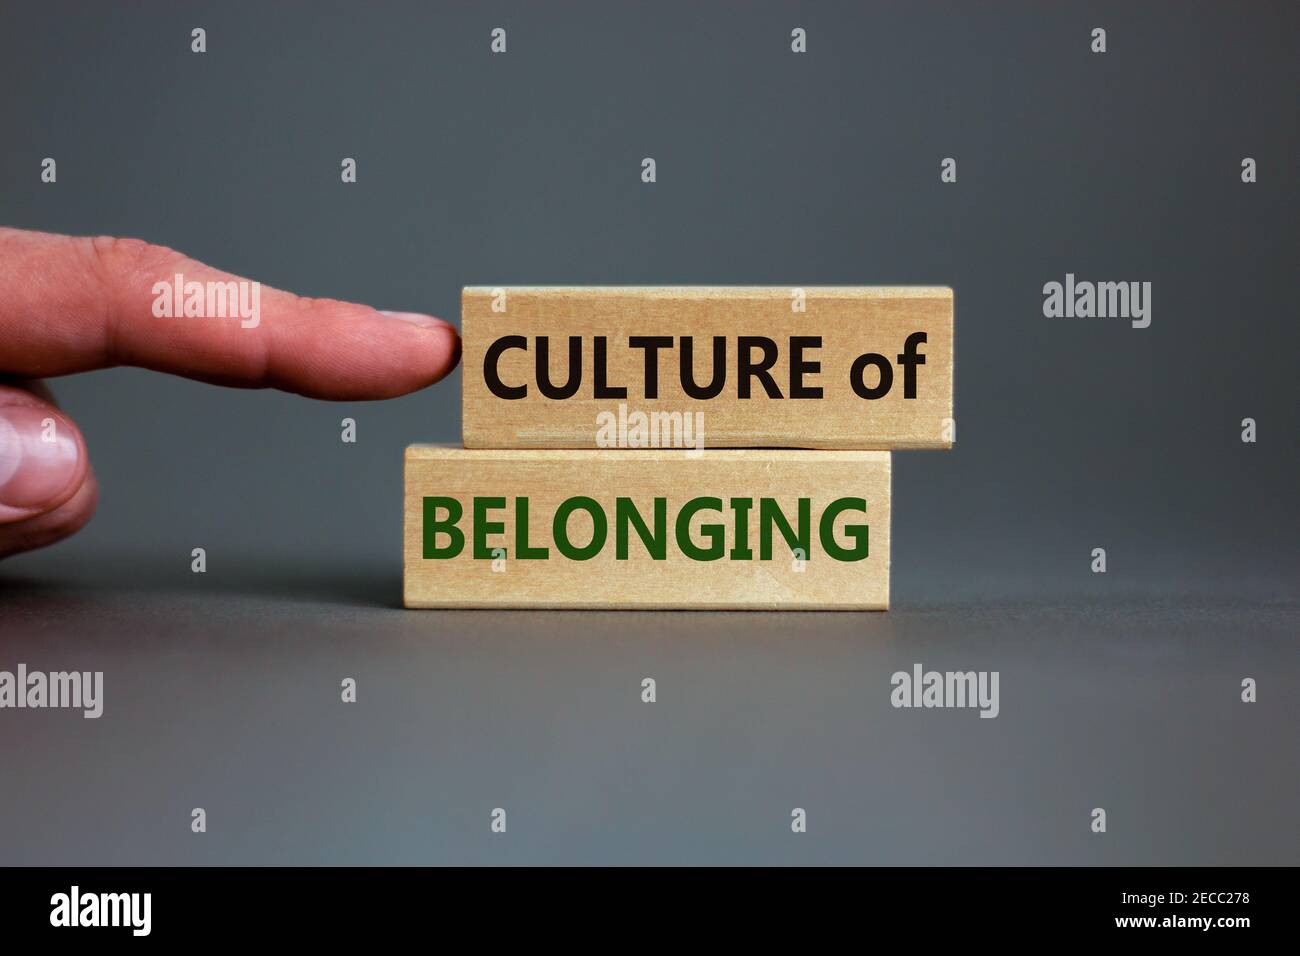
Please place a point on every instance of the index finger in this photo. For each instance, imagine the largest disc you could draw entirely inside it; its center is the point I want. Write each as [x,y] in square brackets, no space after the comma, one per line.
[72,304]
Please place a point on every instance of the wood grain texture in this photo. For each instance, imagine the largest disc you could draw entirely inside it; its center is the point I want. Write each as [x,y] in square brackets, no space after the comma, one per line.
[855,579]
[849,321]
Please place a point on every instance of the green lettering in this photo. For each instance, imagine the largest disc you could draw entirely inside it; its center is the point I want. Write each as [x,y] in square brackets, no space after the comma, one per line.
[599,531]
[858,532]
[523,550]
[713,532]
[483,527]
[432,527]
[625,513]
[741,551]
[769,513]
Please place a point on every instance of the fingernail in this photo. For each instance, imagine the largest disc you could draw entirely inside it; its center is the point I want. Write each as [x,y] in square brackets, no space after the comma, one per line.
[415,318]
[39,456]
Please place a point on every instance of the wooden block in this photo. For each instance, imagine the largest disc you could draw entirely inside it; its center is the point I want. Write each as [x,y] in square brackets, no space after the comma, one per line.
[864,368]
[628,529]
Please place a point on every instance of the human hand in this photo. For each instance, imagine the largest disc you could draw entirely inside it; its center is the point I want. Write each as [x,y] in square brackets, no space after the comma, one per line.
[72,304]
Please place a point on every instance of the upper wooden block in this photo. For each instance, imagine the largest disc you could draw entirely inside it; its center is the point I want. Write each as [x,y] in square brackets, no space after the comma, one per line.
[603,367]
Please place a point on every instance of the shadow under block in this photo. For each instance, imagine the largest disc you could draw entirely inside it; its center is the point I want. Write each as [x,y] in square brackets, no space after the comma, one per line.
[792,357]
[764,529]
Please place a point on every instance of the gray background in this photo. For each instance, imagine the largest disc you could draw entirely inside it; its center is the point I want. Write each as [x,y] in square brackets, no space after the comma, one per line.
[1118,690]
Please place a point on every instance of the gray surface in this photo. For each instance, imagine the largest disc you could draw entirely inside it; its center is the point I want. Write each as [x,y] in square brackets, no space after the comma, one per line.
[1118,690]
[226,697]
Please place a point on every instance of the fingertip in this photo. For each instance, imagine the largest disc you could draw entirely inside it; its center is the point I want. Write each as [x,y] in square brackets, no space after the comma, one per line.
[416,318]
[427,353]
[43,459]
[444,354]
[449,351]
[49,527]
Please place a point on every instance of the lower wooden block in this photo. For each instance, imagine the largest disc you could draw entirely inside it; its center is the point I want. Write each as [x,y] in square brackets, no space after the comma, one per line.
[644,529]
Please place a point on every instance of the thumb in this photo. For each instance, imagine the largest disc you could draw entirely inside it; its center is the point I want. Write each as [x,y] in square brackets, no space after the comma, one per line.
[47,490]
